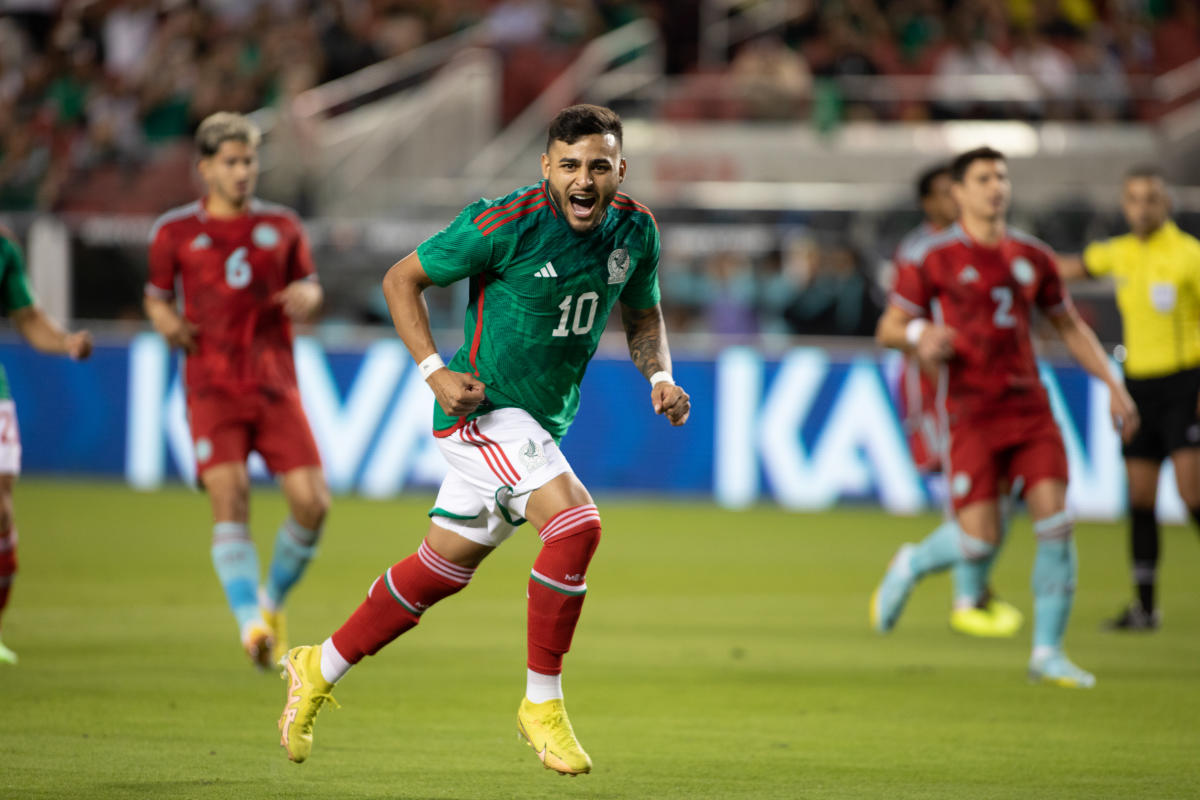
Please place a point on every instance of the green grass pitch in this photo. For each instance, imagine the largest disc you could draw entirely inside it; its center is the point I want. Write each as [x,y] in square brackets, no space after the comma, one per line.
[720,655]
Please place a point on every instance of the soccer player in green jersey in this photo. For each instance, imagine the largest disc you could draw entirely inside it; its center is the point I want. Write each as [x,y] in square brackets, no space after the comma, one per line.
[41,331]
[546,265]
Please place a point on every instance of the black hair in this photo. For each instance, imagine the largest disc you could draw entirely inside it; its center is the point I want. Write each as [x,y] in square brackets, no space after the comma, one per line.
[926,179]
[574,122]
[963,161]
[1145,171]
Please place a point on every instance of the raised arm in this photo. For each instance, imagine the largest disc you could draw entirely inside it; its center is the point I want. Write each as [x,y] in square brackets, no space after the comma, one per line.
[44,334]
[1071,268]
[1081,341]
[457,393]
[647,337]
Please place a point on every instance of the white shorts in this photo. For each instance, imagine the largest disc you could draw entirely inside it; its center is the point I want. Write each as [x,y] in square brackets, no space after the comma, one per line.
[496,461]
[10,439]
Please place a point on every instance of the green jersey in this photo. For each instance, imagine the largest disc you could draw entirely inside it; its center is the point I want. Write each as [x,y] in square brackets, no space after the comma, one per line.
[540,296]
[15,293]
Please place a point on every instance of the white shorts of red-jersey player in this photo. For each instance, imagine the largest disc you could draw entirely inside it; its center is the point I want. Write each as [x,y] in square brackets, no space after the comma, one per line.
[496,461]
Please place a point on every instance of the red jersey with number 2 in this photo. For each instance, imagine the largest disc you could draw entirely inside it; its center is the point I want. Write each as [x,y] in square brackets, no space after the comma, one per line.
[229,272]
[986,294]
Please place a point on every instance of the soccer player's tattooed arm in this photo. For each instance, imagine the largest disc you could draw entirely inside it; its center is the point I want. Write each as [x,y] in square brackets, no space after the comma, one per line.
[170,324]
[647,337]
[44,334]
[1081,341]
[458,393]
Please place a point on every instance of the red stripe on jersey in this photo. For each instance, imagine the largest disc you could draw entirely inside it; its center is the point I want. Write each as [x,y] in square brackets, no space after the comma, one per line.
[639,209]
[499,450]
[478,326]
[499,209]
[519,213]
[622,197]
[487,224]
[442,434]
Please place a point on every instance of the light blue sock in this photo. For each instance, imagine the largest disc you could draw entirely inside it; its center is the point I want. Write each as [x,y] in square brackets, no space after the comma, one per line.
[1054,569]
[236,563]
[971,573]
[294,548]
[937,551]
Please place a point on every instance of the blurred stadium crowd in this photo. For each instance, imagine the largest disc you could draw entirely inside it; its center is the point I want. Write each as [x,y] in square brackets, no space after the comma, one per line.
[98,100]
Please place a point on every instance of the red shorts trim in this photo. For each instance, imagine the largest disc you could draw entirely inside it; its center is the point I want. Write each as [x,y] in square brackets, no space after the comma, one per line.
[1017,450]
[226,427]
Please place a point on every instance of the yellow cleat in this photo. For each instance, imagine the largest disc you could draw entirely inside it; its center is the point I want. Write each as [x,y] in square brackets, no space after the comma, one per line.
[545,727]
[997,619]
[277,622]
[307,690]
[7,656]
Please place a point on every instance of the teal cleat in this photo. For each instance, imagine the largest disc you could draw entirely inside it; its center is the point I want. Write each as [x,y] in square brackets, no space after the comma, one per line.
[1055,668]
[888,600]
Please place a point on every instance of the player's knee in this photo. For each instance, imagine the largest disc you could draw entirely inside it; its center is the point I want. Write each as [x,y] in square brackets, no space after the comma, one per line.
[1190,495]
[974,549]
[310,510]
[576,529]
[1056,527]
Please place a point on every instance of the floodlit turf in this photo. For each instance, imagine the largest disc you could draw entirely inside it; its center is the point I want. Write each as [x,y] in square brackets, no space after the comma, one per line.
[720,655]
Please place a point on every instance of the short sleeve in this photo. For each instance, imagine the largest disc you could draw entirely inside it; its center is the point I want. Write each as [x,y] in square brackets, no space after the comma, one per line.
[1052,297]
[1098,258]
[459,250]
[1194,265]
[163,266]
[911,294]
[15,292]
[641,290]
[300,262]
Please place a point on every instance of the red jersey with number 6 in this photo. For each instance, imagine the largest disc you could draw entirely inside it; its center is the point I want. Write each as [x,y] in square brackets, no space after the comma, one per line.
[986,294]
[229,272]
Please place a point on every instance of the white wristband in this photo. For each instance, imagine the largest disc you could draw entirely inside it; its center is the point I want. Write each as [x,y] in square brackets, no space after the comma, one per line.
[430,366]
[661,376]
[914,329]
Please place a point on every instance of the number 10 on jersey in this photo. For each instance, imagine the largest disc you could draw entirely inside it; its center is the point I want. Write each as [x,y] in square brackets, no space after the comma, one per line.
[584,305]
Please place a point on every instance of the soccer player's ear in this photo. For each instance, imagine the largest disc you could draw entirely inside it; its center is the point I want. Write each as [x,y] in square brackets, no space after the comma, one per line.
[546,165]
[621,170]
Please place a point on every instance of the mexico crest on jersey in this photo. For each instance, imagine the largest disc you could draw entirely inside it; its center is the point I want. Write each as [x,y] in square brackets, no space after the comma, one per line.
[618,265]
[265,236]
[1022,270]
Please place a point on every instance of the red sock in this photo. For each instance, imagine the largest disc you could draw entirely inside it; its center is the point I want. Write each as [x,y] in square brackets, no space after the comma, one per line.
[397,600]
[558,583]
[8,564]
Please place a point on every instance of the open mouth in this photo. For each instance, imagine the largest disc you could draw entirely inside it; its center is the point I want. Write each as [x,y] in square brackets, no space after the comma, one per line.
[582,205]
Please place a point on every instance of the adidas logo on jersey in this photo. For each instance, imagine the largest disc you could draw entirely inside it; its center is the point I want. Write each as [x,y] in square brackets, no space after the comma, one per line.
[546,271]
[968,275]
[201,242]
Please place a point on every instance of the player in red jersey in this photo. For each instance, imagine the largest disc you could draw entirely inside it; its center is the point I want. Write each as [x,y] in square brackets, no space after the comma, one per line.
[964,307]
[976,610]
[244,270]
